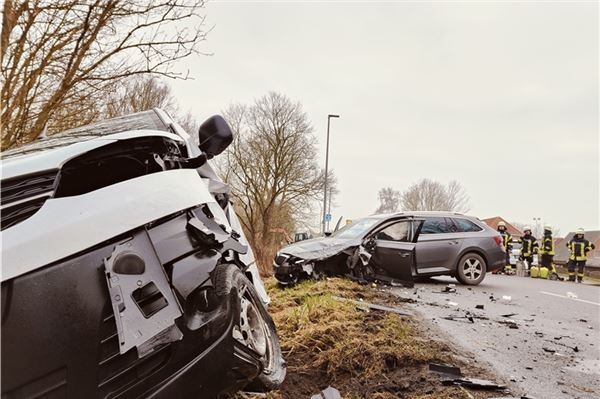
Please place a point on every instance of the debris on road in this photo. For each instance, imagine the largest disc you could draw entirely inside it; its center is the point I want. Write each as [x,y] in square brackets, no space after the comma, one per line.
[510,323]
[361,305]
[450,288]
[328,393]
[573,348]
[445,369]
[473,383]
[479,307]
[452,303]
[572,295]
[506,298]
[468,316]
[509,314]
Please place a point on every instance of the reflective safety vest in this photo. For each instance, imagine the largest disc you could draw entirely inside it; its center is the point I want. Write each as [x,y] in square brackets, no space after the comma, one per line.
[529,247]
[579,249]
[506,239]
[547,246]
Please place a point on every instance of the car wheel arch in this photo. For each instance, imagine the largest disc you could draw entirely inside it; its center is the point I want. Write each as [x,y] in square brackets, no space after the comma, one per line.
[471,250]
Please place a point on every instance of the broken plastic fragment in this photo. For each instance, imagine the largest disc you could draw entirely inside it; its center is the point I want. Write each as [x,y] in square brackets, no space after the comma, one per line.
[445,369]
[328,393]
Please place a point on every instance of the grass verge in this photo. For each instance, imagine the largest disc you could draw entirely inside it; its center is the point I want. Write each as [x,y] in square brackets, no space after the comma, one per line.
[364,354]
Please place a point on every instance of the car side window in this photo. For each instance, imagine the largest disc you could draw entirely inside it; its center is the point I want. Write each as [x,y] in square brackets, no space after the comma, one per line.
[396,232]
[452,226]
[465,226]
[435,225]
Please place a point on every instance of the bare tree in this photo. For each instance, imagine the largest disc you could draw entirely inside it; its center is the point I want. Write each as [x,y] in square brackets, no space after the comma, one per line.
[140,93]
[457,198]
[271,168]
[55,53]
[429,195]
[389,200]
[189,123]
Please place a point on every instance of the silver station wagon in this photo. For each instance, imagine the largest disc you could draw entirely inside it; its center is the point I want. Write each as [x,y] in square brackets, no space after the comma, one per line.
[398,248]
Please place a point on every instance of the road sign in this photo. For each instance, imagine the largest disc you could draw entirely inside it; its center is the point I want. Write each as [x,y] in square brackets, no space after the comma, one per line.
[328,217]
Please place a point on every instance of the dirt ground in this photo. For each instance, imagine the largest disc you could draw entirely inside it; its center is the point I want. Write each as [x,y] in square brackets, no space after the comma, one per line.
[364,353]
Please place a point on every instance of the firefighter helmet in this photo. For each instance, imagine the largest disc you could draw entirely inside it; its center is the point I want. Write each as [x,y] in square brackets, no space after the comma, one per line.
[580,232]
[501,223]
[527,229]
[547,227]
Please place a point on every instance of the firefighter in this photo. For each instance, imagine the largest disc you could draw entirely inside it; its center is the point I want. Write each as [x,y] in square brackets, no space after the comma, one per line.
[547,252]
[578,249]
[529,246]
[506,243]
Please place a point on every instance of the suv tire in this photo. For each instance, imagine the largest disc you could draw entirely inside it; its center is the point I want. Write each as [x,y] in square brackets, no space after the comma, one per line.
[255,325]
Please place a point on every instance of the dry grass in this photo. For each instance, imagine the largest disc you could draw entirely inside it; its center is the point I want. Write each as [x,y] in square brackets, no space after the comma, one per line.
[365,355]
[338,338]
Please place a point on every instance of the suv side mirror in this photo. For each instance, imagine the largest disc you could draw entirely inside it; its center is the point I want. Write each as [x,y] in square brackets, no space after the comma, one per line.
[214,136]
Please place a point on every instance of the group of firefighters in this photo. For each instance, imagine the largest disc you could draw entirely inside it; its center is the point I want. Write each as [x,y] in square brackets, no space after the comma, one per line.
[578,248]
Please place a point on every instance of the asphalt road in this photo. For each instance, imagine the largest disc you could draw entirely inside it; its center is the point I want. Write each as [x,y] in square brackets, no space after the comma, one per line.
[562,317]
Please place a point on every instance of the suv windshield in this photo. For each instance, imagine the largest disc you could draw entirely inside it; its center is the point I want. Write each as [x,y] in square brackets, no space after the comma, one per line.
[356,229]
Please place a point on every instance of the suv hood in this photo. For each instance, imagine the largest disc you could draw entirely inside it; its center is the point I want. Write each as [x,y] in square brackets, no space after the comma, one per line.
[32,159]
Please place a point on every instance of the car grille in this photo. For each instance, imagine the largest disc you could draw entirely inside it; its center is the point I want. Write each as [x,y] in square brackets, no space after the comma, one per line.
[23,196]
[116,371]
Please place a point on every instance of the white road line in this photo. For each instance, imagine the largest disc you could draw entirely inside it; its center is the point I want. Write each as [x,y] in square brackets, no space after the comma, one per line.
[566,297]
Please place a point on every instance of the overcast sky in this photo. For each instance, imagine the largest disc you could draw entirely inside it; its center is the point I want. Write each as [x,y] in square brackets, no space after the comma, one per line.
[501,96]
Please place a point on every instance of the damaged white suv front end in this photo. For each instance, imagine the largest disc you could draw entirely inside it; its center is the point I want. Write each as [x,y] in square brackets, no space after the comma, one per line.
[125,270]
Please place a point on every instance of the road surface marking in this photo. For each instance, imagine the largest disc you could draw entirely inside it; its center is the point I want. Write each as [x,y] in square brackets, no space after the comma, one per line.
[566,297]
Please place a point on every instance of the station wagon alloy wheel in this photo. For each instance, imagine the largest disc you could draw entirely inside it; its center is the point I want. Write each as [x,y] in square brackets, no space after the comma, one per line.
[472,268]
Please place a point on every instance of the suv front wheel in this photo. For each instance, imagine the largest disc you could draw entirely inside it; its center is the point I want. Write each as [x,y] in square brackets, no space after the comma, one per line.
[471,269]
[254,329]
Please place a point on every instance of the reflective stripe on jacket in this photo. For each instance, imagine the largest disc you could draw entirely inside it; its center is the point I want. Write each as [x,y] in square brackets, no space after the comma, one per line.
[578,249]
[547,246]
[530,245]
[506,240]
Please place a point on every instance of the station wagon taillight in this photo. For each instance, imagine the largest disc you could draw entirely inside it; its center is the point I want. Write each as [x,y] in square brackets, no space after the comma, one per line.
[498,240]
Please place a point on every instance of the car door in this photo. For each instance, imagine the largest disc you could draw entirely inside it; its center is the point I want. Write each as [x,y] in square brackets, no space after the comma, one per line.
[394,252]
[438,246]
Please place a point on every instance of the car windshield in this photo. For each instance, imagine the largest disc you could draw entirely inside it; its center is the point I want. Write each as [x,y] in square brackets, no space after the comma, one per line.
[356,229]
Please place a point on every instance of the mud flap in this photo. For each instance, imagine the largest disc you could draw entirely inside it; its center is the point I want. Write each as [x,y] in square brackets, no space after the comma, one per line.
[144,305]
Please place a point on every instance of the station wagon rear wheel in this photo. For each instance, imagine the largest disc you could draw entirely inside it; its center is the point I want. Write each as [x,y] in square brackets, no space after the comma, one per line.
[471,269]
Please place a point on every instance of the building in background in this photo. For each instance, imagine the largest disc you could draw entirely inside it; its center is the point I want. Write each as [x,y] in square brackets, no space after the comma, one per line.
[493,223]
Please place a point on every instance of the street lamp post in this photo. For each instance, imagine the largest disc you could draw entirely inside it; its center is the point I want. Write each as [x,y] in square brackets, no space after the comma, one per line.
[537,226]
[329,205]
[326,167]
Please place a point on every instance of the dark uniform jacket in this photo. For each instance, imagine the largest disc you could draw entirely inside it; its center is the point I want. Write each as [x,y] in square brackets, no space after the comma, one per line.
[547,245]
[579,247]
[529,245]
